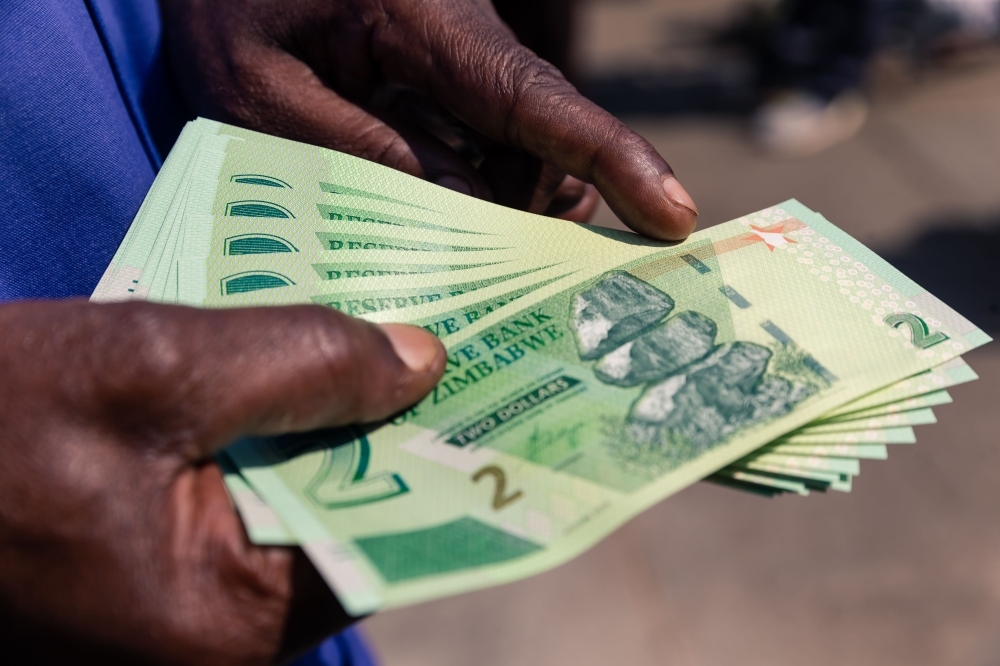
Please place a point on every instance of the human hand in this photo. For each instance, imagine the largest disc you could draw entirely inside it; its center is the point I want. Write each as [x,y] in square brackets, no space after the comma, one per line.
[314,71]
[118,543]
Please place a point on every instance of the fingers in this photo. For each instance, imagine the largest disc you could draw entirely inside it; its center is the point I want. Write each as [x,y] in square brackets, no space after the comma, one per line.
[313,113]
[511,95]
[171,376]
[519,180]
[294,608]
[567,131]
[299,106]
[575,201]
[314,613]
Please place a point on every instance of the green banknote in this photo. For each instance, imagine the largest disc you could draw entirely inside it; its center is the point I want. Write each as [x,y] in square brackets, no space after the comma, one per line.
[573,407]
[261,523]
[254,273]
[806,463]
[811,479]
[121,279]
[757,483]
[951,373]
[899,435]
[591,373]
[251,213]
[846,426]
[913,417]
[866,451]
[925,401]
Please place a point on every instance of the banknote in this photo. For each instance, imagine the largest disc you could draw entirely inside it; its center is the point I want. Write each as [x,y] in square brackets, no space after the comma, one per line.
[866,451]
[760,484]
[222,215]
[849,466]
[676,379]
[951,373]
[262,525]
[925,401]
[811,479]
[256,273]
[591,373]
[121,278]
[898,435]
[913,417]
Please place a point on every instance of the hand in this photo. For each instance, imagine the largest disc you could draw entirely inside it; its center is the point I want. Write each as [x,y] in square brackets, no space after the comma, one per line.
[118,543]
[317,71]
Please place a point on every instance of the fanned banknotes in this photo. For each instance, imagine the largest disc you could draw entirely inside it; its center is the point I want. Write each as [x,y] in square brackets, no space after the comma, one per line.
[591,373]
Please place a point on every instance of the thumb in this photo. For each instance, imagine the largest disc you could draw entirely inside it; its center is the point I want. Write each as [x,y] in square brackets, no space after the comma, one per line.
[202,378]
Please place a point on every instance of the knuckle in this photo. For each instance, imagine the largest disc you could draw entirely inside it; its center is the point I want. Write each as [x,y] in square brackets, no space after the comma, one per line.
[336,343]
[139,366]
[533,85]
[336,346]
[394,151]
[369,138]
[152,350]
[361,368]
[609,146]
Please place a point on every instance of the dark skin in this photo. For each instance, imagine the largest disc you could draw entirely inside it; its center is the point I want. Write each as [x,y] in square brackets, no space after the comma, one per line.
[118,543]
[316,71]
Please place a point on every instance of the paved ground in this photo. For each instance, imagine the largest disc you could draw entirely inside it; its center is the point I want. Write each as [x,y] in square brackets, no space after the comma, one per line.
[904,570]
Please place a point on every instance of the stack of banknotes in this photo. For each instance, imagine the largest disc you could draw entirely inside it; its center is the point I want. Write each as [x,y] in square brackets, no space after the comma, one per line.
[591,373]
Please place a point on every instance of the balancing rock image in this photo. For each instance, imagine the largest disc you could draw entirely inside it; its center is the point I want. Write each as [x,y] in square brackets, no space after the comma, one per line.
[714,397]
[614,311]
[682,340]
[694,388]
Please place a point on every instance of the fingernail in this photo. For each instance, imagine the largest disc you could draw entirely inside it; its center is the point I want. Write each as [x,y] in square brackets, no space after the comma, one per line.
[417,348]
[455,183]
[676,193]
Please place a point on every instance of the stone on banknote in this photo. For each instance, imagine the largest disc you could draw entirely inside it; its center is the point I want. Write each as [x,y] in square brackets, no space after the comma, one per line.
[661,352]
[614,311]
[775,396]
[712,398]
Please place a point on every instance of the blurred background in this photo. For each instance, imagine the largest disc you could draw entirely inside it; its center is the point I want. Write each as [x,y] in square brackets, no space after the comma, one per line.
[884,115]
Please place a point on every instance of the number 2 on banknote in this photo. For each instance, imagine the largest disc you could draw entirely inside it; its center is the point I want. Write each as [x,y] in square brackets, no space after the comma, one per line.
[500,500]
[920,334]
[342,479]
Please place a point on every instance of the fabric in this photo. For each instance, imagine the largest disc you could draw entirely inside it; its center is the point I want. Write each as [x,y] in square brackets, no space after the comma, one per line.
[72,169]
[132,35]
[87,114]
[346,649]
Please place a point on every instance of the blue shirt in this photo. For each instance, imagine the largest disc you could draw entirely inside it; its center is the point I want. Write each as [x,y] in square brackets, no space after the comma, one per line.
[87,112]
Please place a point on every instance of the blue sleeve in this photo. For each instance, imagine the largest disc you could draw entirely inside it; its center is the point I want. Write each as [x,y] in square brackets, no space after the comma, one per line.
[348,648]
[72,170]
[87,111]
